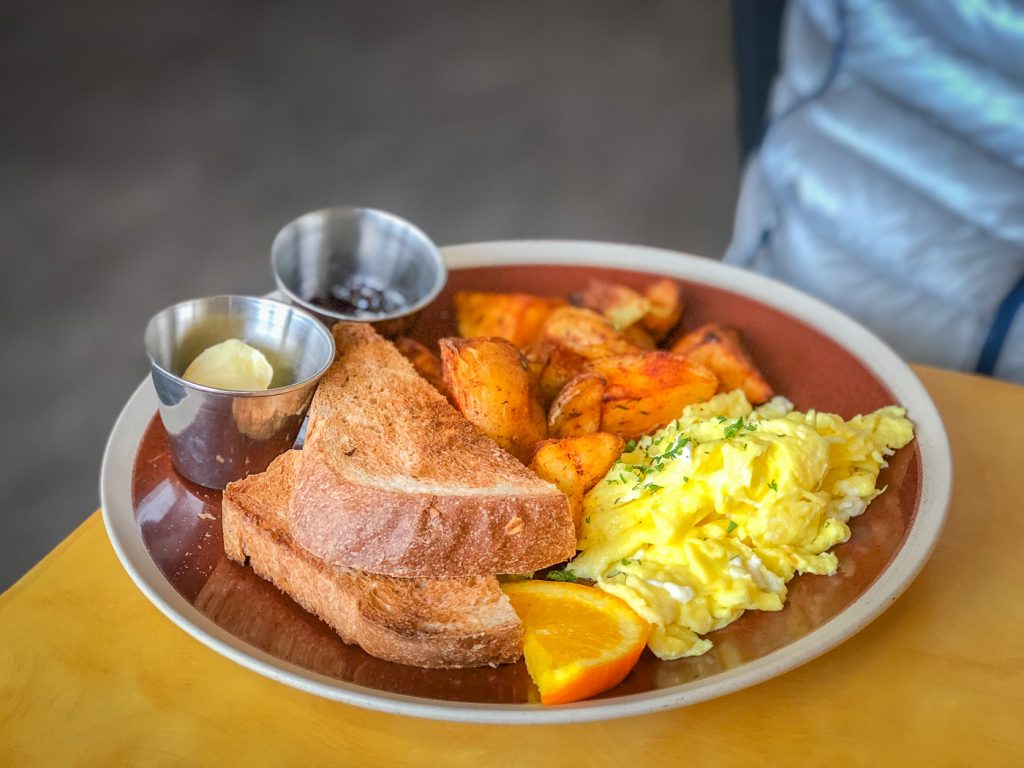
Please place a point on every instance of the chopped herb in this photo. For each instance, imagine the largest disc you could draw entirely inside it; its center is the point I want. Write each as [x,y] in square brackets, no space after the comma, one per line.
[686,479]
[617,500]
[733,428]
[731,527]
[780,434]
[588,518]
[626,561]
[750,427]
[629,446]
[653,487]
[721,419]
[563,575]
[676,448]
[773,485]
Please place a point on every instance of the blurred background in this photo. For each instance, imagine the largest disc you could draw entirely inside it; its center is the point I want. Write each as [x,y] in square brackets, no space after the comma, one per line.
[151,152]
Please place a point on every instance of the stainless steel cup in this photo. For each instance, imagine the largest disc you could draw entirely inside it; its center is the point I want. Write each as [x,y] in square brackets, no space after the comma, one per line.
[321,250]
[219,435]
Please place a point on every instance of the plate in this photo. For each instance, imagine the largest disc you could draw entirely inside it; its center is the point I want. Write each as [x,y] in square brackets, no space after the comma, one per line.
[166,531]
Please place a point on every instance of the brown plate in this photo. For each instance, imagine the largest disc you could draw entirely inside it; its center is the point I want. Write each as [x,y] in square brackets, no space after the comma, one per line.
[178,523]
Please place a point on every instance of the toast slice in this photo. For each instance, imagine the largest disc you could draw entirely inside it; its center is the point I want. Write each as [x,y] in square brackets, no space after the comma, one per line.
[397,482]
[463,622]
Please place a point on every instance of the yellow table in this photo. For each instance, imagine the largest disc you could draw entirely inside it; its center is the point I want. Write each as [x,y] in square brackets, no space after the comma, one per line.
[91,673]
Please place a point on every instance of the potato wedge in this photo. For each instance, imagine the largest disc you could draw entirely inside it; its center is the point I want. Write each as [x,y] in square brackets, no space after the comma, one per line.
[577,409]
[619,303]
[536,354]
[645,392]
[426,363]
[576,464]
[665,299]
[517,317]
[562,367]
[586,333]
[552,367]
[640,336]
[719,348]
[492,387]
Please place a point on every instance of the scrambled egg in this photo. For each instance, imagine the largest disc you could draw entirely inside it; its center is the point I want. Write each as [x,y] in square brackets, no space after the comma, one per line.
[716,512]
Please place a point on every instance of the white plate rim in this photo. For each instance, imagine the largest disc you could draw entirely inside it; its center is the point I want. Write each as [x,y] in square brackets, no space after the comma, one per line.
[122,446]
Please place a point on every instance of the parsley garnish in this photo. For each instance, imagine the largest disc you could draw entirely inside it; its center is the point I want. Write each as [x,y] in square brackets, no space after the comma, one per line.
[773,485]
[652,487]
[686,479]
[676,448]
[733,428]
[563,575]
[588,518]
[731,527]
[721,419]
[629,446]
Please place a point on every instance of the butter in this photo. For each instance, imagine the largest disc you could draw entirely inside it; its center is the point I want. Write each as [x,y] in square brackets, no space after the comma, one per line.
[232,364]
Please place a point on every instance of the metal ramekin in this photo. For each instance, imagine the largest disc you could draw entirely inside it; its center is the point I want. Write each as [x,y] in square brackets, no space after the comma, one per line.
[219,435]
[322,249]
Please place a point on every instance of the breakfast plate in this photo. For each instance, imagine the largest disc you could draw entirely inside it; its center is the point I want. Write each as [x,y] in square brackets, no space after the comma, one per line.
[166,531]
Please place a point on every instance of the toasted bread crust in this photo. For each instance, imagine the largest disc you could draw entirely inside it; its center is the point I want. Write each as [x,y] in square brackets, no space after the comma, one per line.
[402,484]
[444,623]
[399,533]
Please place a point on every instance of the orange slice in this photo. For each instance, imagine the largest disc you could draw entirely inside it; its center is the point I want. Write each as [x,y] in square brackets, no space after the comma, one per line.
[578,641]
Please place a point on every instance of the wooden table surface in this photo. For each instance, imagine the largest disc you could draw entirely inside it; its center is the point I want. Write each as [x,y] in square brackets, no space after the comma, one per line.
[92,674]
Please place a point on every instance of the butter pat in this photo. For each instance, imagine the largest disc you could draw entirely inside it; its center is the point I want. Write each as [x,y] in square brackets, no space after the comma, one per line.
[232,364]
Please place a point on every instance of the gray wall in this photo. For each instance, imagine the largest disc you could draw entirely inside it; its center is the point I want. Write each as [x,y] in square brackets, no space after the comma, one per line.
[150,152]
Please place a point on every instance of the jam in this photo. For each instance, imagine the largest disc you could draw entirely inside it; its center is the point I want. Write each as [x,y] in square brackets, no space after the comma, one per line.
[360,296]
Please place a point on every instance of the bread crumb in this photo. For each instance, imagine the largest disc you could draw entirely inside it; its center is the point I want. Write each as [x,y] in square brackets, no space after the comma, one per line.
[515,526]
[206,516]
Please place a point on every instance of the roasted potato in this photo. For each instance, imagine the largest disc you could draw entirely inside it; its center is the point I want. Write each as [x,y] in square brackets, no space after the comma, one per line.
[562,367]
[490,384]
[646,391]
[577,409]
[665,302]
[426,363]
[586,333]
[552,367]
[536,356]
[719,348]
[640,336]
[517,317]
[619,303]
[576,464]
